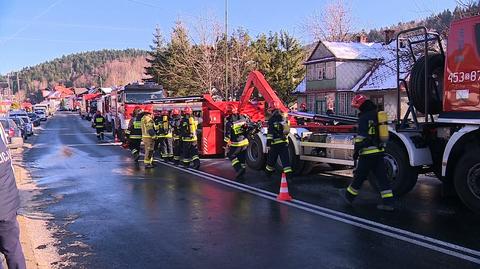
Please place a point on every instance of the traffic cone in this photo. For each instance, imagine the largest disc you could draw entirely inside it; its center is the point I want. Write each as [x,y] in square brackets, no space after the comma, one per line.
[283,195]
[116,139]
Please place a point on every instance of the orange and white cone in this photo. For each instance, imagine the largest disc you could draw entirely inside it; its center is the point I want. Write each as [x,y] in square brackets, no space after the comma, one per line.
[116,139]
[284,195]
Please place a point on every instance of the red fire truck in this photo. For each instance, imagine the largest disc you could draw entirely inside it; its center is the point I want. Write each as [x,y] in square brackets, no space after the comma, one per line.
[121,102]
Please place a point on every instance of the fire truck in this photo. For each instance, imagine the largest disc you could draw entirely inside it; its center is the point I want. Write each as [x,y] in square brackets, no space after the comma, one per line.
[121,102]
[439,133]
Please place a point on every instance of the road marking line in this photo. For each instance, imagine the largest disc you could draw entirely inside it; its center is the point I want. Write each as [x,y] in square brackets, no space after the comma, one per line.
[403,235]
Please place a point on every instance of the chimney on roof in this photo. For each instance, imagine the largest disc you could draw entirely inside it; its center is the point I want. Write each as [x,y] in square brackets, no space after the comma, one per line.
[361,38]
[388,34]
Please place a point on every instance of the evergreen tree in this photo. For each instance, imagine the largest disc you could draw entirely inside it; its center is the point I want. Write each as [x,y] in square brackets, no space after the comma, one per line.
[158,59]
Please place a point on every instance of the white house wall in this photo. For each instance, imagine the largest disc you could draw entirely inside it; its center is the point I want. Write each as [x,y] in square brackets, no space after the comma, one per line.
[349,73]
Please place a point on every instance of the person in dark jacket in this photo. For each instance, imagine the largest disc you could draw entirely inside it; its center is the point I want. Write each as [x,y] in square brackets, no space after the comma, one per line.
[277,141]
[99,125]
[236,139]
[188,133]
[10,245]
[134,133]
[177,141]
[368,154]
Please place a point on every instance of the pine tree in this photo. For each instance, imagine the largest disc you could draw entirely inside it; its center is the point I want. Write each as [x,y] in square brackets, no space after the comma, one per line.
[158,59]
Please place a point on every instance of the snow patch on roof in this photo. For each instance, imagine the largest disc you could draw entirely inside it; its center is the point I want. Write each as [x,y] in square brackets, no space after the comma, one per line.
[354,50]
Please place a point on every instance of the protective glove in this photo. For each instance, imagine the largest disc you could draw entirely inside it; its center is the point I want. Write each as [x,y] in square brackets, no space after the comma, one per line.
[151,132]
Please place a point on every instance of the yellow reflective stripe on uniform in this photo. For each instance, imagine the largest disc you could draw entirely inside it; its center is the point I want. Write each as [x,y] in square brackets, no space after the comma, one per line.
[269,136]
[370,151]
[387,194]
[359,139]
[269,168]
[242,143]
[137,124]
[195,157]
[352,190]
[235,161]
[279,141]
[287,169]
[135,136]
[147,136]
[226,139]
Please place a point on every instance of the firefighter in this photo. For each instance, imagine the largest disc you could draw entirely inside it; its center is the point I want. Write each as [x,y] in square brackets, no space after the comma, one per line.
[188,134]
[134,133]
[177,141]
[165,136]
[277,141]
[99,124]
[148,138]
[368,154]
[157,121]
[236,128]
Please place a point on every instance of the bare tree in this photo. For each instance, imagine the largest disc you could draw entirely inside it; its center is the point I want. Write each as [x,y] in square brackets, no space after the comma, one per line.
[468,8]
[333,23]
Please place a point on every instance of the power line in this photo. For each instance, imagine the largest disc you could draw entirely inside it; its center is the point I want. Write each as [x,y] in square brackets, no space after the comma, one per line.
[144,3]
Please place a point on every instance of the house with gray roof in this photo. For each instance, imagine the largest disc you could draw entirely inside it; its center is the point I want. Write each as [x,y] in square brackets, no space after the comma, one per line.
[336,71]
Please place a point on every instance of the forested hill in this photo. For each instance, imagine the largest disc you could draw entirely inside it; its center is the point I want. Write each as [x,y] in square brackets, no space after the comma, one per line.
[111,67]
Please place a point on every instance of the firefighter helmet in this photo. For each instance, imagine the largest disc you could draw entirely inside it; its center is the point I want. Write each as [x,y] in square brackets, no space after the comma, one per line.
[187,110]
[164,112]
[175,112]
[358,100]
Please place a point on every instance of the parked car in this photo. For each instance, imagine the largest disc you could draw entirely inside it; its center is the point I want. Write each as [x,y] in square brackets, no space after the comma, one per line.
[35,119]
[41,114]
[12,133]
[28,124]
[17,113]
[22,125]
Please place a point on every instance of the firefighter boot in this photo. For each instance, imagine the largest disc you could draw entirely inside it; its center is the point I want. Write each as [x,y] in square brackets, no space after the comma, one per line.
[386,205]
[102,136]
[347,197]
[196,164]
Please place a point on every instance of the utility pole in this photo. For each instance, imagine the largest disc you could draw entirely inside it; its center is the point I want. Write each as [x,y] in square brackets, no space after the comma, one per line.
[18,83]
[226,50]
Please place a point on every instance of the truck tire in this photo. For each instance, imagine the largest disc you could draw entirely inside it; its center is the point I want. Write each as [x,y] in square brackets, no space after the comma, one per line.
[255,157]
[435,83]
[467,180]
[401,175]
[297,164]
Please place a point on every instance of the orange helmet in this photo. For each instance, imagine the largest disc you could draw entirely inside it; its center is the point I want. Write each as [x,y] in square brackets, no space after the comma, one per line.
[358,100]
[231,110]
[274,106]
[187,110]
[175,112]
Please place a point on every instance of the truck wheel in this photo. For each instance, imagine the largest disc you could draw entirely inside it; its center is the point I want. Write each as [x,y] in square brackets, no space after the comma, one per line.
[401,175]
[467,180]
[297,164]
[255,157]
[436,64]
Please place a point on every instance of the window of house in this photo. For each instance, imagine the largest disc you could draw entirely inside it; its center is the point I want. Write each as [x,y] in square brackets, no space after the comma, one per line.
[320,71]
[310,102]
[330,70]
[343,104]
[379,101]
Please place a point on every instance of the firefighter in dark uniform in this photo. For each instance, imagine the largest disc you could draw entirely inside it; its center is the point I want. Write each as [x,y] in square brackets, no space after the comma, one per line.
[157,121]
[188,133]
[368,154]
[177,141]
[236,128]
[99,124]
[134,133]
[277,141]
[165,136]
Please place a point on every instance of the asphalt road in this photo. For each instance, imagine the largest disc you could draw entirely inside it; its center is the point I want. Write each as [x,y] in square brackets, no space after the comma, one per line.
[112,213]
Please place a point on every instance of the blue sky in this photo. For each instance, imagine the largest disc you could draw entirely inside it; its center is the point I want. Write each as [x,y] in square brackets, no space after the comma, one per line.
[33,31]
